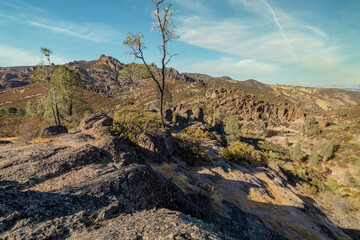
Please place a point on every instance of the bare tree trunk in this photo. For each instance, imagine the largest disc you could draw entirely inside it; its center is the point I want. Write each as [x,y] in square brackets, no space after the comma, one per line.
[161,108]
[52,107]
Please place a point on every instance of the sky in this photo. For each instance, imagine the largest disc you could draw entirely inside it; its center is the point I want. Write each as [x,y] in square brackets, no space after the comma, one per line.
[307,42]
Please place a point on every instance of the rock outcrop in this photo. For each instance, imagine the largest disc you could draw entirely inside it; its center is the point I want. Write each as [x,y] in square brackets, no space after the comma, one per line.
[53,131]
[79,186]
[96,125]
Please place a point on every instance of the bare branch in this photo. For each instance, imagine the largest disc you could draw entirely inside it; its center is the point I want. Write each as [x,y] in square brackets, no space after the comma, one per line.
[170,58]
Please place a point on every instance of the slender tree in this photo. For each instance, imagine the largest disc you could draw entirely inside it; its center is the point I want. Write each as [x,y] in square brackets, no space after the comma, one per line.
[44,75]
[166,27]
[67,83]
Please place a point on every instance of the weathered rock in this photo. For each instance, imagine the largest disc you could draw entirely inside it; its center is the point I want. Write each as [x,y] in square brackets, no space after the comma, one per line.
[157,147]
[153,224]
[53,131]
[117,150]
[102,127]
[89,121]
[323,122]
[198,115]
[97,125]
[179,121]
[356,138]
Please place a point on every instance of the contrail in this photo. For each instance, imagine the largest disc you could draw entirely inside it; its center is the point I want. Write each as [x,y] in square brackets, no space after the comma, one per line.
[281,29]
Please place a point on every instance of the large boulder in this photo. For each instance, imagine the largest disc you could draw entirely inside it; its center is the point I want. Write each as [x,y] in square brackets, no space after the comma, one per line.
[97,125]
[53,131]
[157,147]
[89,121]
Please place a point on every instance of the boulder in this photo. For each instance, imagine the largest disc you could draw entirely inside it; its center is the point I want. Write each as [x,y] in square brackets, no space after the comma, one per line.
[323,122]
[180,121]
[90,120]
[158,147]
[198,115]
[97,125]
[102,127]
[118,151]
[53,131]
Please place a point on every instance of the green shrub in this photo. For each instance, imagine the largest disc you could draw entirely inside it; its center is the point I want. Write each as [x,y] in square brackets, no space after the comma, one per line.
[12,112]
[311,127]
[314,158]
[351,180]
[232,129]
[31,108]
[191,139]
[245,153]
[296,153]
[219,114]
[329,149]
[132,121]
[331,185]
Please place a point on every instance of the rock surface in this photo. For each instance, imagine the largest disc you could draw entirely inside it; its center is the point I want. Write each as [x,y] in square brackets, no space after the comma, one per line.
[53,131]
[80,186]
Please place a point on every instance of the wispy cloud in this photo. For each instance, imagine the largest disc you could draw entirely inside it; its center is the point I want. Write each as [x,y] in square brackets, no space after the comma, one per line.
[12,56]
[25,13]
[91,32]
[247,68]
[280,28]
[269,35]
[21,5]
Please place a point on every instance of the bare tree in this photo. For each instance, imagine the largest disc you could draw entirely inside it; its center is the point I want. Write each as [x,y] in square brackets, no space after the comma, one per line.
[166,28]
[52,92]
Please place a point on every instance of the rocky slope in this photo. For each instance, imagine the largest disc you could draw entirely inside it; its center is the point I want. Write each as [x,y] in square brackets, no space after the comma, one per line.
[90,184]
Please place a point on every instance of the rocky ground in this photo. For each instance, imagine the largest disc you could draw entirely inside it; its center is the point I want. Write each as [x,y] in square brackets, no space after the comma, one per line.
[91,185]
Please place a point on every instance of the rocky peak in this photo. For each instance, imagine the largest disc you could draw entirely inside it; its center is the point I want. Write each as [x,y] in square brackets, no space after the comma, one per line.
[113,63]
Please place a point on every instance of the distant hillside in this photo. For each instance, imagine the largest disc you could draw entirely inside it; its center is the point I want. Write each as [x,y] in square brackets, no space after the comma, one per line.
[312,99]
[102,76]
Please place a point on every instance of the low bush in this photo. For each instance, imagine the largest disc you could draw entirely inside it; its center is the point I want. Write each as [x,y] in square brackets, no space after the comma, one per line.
[130,122]
[311,127]
[329,149]
[314,158]
[191,139]
[12,112]
[232,129]
[245,153]
[296,154]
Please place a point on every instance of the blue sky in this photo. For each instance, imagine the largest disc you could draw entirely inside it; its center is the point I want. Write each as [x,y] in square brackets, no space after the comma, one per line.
[307,42]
